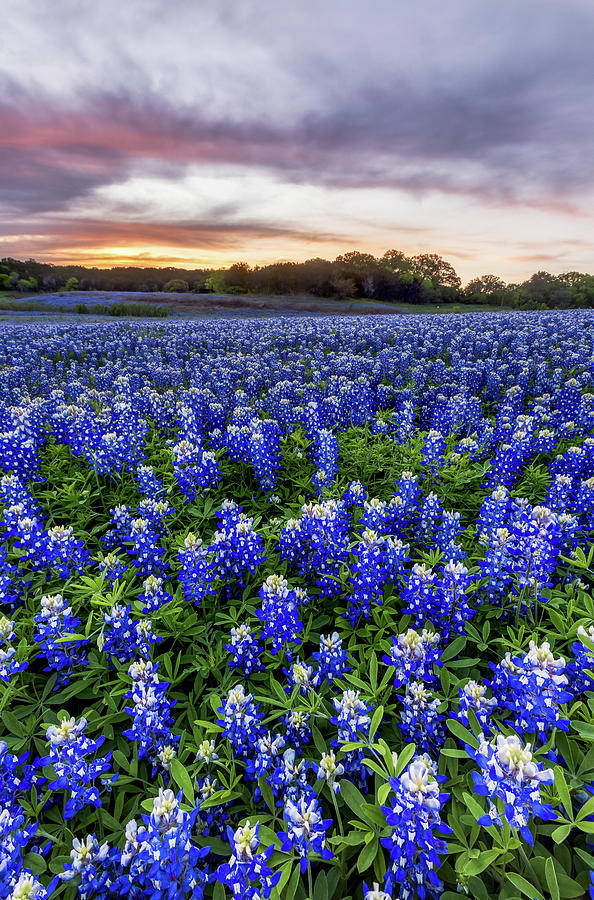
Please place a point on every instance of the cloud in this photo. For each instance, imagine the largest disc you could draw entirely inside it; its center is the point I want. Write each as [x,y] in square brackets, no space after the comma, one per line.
[486,106]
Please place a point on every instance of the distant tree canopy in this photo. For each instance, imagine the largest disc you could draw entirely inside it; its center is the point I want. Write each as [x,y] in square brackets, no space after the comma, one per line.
[393,277]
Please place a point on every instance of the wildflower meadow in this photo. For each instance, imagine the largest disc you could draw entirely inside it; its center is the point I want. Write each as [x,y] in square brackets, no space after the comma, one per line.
[298,608]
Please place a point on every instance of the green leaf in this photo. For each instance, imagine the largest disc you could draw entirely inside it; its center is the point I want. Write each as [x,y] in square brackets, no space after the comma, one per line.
[267,794]
[320,891]
[454,648]
[180,775]
[367,855]
[523,885]
[376,721]
[563,791]
[404,757]
[560,833]
[551,877]
[479,863]
[35,863]
[462,733]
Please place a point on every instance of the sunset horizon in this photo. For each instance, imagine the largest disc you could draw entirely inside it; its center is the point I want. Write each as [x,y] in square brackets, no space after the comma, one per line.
[205,136]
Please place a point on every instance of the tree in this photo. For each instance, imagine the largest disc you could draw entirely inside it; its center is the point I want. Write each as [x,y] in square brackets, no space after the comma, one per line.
[215,282]
[71,284]
[485,284]
[432,266]
[395,261]
[176,286]
[237,277]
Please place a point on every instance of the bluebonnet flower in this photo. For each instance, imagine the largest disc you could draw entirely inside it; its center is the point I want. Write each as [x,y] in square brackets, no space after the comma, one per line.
[8,664]
[279,614]
[237,549]
[88,863]
[197,574]
[306,830]
[160,856]
[301,676]
[268,748]
[325,455]
[207,752]
[76,773]
[194,468]
[413,655]
[329,770]
[246,651]
[240,720]
[433,450]
[27,887]
[332,659]
[421,723]
[146,549]
[416,843]
[297,724]
[113,567]
[154,594]
[352,719]
[508,773]
[473,696]
[147,481]
[54,622]
[583,662]
[247,874]
[355,494]
[289,777]
[124,638]
[532,687]
[375,893]
[63,552]
[16,835]
[152,718]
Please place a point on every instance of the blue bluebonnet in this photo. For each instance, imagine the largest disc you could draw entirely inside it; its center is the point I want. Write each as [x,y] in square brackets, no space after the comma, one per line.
[113,567]
[124,638]
[89,865]
[240,720]
[473,696]
[247,874]
[153,594]
[533,686]
[78,771]
[267,755]
[147,481]
[413,655]
[27,887]
[332,658]
[9,665]
[329,770]
[245,649]
[152,717]
[416,842]
[296,722]
[160,856]
[288,778]
[196,574]
[508,773]
[306,830]
[583,662]
[279,614]
[195,468]
[421,724]
[54,623]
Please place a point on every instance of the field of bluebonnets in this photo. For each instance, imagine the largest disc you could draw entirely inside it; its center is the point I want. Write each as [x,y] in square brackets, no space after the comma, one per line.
[298,608]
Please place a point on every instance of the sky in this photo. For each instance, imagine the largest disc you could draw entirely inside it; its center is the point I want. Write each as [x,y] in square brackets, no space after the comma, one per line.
[204,132]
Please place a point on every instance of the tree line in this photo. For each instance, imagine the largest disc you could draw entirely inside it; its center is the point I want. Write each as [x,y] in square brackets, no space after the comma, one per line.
[391,278]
